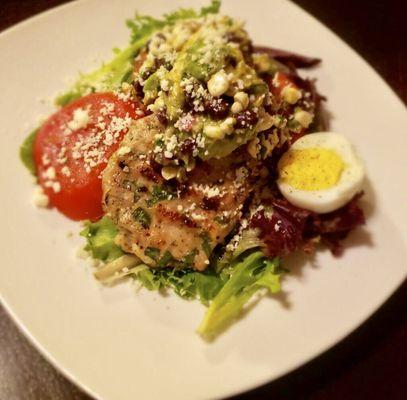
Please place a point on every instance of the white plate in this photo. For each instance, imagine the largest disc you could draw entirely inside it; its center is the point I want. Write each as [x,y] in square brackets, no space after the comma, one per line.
[121,345]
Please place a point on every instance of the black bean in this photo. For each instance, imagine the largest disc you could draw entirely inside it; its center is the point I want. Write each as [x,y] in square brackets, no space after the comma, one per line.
[155,165]
[122,164]
[188,101]
[246,119]
[210,203]
[187,146]
[138,89]
[182,190]
[217,108]
[162,117]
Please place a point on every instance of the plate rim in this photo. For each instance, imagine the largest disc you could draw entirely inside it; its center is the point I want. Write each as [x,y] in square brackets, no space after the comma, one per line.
[77,381]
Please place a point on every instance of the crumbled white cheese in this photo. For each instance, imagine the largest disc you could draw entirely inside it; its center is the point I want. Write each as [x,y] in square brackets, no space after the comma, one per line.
[92,148]
[40,199]
[45,159]
[208,191]
[80,119]
[66,171]
[56,187]
[50,173]
[165,85]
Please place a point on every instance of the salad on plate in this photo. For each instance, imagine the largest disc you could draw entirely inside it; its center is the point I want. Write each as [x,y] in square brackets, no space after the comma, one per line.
[197,161]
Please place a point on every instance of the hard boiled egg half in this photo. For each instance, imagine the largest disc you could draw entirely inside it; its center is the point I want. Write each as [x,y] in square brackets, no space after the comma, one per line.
[320,172]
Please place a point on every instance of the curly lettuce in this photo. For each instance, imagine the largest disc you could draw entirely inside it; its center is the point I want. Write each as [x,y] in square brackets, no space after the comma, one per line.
[26,152]
[225,292]
[186,283]
[100,240]
[253,273]
[113,73]
[118,70]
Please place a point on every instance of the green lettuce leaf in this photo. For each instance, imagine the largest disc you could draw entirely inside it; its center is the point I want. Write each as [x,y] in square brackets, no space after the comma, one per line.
[113,73]
[107,78]
[118,70]
[144,25]
[255,272]
[26,151]
[186,283]
[100,240]
[249,240]
[226,292]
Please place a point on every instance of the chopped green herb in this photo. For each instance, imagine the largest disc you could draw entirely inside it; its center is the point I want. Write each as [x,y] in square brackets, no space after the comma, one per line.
[206,244]
[186,283]
[159,143]
[222,220]
[293,124]
[190,258]
[100,240]
[166,260]
[129,185]
[160,193]
[152,252]
[142,217]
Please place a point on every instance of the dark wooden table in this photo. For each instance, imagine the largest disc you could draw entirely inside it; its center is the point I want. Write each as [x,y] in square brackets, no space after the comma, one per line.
[369,364]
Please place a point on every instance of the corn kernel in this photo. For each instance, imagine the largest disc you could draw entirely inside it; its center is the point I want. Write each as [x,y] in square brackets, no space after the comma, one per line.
[218,83]
[291,94]
[304,118]
[262,62]
[169,172]
[236,107]
[226,126]
[214,132]
[242,98]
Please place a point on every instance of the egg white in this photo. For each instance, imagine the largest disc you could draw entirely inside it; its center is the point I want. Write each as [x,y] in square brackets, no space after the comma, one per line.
[350,182]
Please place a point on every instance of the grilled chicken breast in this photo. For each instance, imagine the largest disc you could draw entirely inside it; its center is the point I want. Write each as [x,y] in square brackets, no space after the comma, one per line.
[167,223]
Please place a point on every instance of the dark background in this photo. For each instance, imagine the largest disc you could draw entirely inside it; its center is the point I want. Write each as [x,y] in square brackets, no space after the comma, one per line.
[369,364]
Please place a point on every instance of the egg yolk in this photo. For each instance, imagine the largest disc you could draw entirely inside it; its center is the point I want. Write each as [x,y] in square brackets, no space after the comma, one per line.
[311,168]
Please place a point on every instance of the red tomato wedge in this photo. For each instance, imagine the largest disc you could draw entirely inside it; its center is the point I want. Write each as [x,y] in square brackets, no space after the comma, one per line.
[72,148]
[276,86]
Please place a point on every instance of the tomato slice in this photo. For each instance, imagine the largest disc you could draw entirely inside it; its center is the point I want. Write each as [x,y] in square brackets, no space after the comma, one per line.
[72,148]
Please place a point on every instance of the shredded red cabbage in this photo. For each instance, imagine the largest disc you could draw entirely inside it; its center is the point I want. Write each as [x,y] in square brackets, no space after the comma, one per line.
[288,58]
[290,228]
